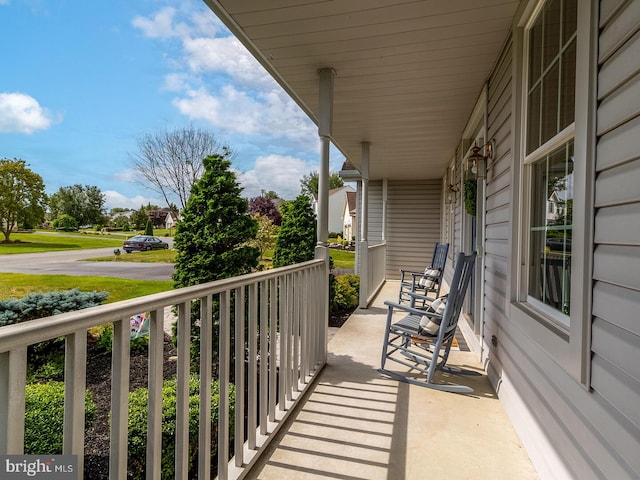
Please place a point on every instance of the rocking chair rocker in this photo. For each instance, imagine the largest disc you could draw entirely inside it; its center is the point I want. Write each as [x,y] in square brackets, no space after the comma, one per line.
[422,339]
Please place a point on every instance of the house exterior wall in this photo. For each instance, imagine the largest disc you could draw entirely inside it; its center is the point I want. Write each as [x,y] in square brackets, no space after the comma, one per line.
[413,224]
[571,428]
[412,227]
[337,200]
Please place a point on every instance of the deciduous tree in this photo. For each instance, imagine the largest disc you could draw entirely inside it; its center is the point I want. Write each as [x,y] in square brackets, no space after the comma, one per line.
[84,203]
[22,196]
[266,236]
[309,183]
[171,162]
[265,207]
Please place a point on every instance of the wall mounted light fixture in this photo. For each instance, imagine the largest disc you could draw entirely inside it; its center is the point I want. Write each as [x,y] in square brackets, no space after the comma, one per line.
[477,162]
[451,192]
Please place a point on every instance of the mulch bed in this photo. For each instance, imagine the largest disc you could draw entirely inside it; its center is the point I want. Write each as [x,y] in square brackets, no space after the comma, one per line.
[96,461]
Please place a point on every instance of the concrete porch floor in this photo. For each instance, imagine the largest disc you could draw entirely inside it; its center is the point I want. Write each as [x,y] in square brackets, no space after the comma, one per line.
[356,424]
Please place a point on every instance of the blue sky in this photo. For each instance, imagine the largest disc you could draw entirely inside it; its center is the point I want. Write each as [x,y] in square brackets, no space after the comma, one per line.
[83,80]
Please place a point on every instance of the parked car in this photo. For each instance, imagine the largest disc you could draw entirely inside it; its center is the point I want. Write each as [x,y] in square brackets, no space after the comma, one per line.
[559,244]
[143,243]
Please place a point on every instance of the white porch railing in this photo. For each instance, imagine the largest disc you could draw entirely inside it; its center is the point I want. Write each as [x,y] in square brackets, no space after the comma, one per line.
[284,313]
[376,261]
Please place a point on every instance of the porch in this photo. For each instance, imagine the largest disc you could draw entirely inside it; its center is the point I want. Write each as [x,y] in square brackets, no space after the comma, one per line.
[356,424]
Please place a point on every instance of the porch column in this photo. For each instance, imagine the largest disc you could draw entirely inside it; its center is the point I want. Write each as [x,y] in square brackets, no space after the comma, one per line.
[364,228]
[325,121]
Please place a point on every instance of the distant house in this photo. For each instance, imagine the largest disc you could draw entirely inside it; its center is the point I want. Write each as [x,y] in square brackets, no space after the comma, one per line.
[170,220]
[337,199]
[159,218]
[349,216]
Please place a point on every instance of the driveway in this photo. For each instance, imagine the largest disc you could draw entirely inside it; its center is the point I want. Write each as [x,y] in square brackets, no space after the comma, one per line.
[71,262]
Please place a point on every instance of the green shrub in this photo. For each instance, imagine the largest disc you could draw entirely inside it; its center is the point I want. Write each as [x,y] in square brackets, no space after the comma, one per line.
[43,422]
[38,305]
[138,401]
[470,193]
[345,292]
[296,240]
[137,345]
[66,223]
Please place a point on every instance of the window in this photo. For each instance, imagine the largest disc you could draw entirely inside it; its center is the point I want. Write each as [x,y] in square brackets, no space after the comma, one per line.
[549,158]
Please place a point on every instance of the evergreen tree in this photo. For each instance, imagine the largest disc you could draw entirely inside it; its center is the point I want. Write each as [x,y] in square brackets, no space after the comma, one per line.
[148,230]
[211,240]
[297,237]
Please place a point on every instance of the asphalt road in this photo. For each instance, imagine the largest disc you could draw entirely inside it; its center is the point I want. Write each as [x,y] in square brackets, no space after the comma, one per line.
[73,262]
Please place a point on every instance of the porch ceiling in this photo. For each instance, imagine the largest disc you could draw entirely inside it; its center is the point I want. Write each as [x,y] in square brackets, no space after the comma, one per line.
[408,73]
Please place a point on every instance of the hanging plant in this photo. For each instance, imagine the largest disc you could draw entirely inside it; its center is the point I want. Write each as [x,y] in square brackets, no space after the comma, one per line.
[470,195]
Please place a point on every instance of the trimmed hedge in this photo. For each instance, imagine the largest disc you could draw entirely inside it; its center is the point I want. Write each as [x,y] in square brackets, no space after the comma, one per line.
[138,413]
[43,422]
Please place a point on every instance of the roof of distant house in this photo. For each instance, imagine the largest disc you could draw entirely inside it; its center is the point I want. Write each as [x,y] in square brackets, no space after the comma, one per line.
[351,202]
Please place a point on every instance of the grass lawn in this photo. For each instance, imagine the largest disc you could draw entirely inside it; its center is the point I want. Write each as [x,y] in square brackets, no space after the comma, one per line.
[17,285]
[152,256]
[343,258]
[47,242]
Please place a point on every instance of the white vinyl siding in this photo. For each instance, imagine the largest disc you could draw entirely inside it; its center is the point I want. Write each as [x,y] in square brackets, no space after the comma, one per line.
[571,431]
[498,193]
[615,345]
[413,224]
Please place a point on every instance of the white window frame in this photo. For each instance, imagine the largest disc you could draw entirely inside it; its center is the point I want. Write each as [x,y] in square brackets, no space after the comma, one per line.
[567,343]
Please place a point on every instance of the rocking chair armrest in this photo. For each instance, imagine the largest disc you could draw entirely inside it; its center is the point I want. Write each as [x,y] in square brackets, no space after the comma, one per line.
[406,308]
[423,298]
[409,276]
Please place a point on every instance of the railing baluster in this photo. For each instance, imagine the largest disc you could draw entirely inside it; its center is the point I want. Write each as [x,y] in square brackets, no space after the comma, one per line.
[206,347]
[273,336]
[304,342]
[223,403]
[239,377]
[282,367]
[13,379]
[75,383]
[119,399]
[154,427]
[296,332]
[252,421]
[264,355]
[182,391]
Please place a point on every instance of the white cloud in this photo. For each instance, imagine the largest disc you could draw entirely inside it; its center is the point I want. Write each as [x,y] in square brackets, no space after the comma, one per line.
[127,176]
[113,199]
[159,26]
[279,173]
[269,113]
[176,82]
[21,113]
[4,2]
[228,56]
